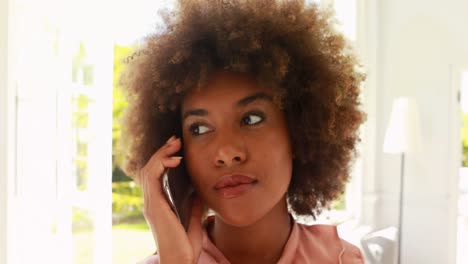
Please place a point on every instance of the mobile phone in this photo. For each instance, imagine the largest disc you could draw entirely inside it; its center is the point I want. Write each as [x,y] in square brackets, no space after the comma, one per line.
[179,190]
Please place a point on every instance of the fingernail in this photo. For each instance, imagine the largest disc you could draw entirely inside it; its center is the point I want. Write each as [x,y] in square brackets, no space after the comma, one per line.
[171,139]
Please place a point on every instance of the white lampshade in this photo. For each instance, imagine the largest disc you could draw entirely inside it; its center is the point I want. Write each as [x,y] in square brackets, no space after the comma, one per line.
[403,133]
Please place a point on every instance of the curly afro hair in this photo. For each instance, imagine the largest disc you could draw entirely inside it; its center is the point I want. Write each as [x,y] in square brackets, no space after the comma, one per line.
[287,46]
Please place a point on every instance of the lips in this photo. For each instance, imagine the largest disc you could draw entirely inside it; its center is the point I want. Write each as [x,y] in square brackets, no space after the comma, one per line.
[233,180]
[234,185]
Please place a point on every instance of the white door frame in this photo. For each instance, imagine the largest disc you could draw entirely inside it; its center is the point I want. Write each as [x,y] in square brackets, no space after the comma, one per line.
[456,122]
[7,117]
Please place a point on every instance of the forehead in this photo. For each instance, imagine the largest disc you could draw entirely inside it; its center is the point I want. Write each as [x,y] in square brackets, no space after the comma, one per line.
[223,88]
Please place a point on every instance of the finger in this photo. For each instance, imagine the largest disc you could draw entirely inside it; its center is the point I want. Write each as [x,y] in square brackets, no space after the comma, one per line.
[155,170]
[166,150]
[171,139]
[171,162]
[152,172]
[151,178]
[171,147]
[195,217]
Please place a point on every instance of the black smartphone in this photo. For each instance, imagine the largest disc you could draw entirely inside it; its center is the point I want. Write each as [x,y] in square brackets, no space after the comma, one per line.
[179,192]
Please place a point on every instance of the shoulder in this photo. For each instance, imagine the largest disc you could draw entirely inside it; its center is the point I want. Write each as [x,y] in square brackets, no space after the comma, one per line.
[324,241]
[351,253]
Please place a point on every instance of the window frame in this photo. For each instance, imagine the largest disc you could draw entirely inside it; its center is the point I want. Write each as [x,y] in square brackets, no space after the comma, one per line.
[7,124]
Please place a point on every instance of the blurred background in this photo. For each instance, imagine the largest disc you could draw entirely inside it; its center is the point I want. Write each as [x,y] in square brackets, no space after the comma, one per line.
[64,198]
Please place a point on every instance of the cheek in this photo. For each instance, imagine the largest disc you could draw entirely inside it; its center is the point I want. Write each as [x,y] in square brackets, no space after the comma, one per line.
[196,164]
[191,156]
[279,169]
[278,163]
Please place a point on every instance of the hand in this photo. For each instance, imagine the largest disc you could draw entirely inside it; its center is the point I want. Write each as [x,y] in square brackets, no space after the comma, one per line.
[174,244]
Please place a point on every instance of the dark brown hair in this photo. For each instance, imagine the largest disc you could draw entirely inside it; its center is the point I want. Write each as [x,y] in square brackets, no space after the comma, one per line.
[287,46]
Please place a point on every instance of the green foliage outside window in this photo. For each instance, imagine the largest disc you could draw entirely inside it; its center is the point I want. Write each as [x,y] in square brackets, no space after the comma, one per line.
[464,136]
[127,198]
[127,202]
[119,105]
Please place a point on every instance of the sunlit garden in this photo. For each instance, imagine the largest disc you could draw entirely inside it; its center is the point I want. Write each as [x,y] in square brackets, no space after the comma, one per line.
[131,238]
[130,243]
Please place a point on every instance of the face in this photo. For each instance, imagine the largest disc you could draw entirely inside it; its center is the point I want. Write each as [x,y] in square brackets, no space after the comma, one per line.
[237,148]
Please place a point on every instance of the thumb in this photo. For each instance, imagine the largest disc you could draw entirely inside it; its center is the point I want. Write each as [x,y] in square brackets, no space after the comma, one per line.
[195,230]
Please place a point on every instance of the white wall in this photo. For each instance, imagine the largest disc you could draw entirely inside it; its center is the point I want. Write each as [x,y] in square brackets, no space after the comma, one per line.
[417,46]
[3,82]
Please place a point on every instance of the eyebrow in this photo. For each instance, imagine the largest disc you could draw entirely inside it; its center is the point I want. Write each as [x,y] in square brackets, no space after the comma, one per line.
[258,96]
[241,103]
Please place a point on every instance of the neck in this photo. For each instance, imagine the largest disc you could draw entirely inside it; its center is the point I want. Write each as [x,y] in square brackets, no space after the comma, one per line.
[261,242]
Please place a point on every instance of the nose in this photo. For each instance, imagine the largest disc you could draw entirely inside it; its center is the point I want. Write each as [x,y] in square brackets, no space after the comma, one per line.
[230,152]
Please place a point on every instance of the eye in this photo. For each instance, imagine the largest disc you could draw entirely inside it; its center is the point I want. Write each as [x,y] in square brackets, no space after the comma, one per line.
[252,119]
[199,129]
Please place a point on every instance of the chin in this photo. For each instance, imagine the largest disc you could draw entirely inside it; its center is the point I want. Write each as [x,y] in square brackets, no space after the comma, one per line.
[237,220]
[240,218]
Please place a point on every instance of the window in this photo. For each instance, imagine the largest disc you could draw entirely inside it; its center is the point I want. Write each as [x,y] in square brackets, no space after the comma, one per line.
[462,215]
[348,206]
[63,87]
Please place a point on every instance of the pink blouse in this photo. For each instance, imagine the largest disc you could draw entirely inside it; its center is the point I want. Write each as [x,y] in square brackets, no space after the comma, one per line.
[316,244]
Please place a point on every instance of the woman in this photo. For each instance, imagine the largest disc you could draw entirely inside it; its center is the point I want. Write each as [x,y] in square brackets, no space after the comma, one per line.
[263,97]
